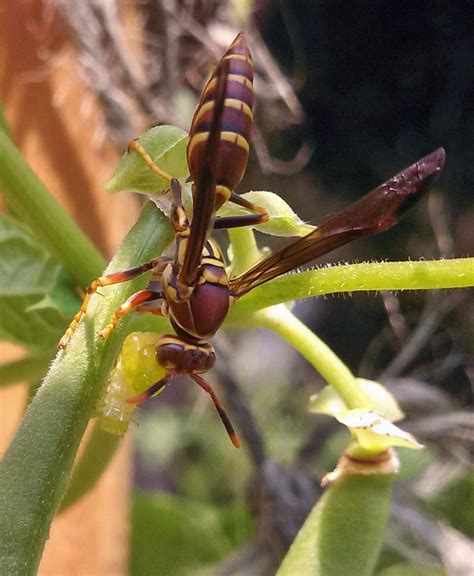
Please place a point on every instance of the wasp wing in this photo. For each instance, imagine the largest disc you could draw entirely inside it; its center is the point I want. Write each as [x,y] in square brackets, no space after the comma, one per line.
[375,212]
[204,186]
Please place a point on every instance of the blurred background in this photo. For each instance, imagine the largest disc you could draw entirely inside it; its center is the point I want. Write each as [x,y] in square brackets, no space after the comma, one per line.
[347,94]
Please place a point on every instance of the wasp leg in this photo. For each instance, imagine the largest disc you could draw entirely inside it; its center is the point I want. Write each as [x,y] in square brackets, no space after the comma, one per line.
[259,215]
[225,222]
[108,280]
[251,207]
[222,413]
[133,303]
[135,145]
[149,392]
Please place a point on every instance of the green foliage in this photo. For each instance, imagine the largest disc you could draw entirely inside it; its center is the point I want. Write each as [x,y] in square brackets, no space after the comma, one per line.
[283,220]
[406,569]
[176,536]
[456,504]
[328,402]
[27,369]
[413,463]
[170,437]
[29,200]
[36,295]
[166,146]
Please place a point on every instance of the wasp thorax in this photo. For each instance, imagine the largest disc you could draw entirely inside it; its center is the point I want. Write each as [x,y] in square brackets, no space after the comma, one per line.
[178,356]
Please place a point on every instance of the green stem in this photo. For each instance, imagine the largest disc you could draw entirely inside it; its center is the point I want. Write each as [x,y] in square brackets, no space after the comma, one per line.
[245,252]
[373,276]
[345,531]
[31,202]
[36,468]
[281,321]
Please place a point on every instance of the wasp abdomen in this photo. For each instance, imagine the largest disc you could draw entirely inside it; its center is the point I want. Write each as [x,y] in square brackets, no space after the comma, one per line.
[235,123]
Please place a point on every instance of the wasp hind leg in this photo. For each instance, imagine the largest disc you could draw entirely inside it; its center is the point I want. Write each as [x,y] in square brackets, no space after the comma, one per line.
[259,215]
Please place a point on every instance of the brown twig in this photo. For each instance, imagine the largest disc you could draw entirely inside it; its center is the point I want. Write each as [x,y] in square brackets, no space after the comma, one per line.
[431,318]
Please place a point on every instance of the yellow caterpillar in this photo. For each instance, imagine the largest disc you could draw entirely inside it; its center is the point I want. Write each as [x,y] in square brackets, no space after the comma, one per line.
[135,371]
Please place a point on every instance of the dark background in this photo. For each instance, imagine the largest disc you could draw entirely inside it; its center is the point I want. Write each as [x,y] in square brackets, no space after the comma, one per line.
[382,83]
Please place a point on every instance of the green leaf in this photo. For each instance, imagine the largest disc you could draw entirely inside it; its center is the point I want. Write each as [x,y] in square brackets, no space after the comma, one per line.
[406,569]
[166,145]
[36,330]
[3,122]
[455,502]
[27,369]
[64,295]
[283,221]
[329,402]
[36,294]
[413,463]
[374,433]
[26,267]
[176,536]
[345,530]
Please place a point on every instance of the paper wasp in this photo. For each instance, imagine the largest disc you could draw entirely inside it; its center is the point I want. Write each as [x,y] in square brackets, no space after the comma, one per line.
[194,290]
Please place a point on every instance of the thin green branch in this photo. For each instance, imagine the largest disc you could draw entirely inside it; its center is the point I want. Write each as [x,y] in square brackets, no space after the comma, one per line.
[33,204]
[284,323]
[373,276]
[245,252]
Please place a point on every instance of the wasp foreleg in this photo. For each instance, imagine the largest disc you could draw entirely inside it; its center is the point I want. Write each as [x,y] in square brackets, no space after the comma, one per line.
[114,278]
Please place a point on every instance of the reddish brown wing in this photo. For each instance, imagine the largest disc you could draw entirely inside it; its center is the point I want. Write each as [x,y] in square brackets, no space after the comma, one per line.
[204,186]
[375,212]
[218,145]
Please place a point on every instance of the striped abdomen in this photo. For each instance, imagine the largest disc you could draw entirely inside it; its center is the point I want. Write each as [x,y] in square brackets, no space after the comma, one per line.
[235,124]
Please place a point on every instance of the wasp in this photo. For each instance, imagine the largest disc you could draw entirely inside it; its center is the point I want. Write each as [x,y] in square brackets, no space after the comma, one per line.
[194,290]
